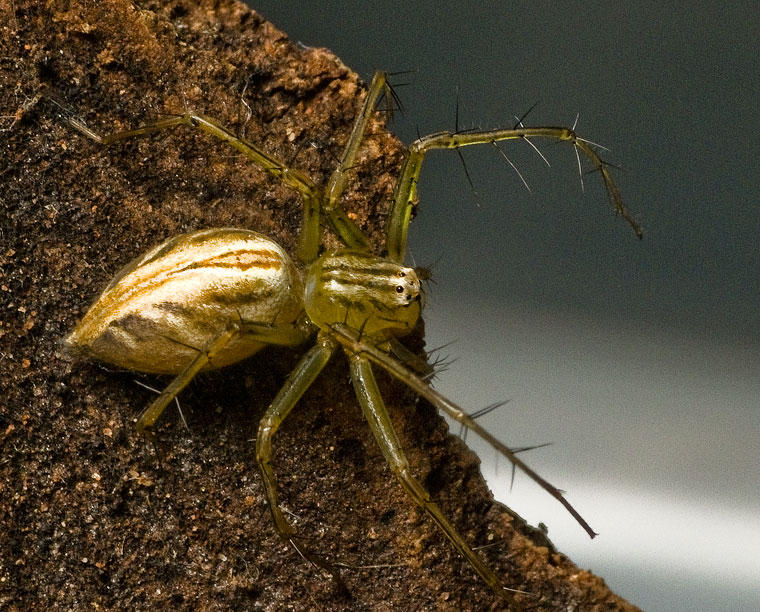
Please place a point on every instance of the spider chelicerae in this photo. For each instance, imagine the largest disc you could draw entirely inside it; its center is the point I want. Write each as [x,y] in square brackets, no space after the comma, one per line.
[213,297]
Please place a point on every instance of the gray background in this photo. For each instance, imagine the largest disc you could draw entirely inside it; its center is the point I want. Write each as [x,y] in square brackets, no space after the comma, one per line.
[638,360]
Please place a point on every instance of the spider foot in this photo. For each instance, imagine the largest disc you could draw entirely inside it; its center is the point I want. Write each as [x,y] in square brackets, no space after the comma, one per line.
[322,564]
[160,449]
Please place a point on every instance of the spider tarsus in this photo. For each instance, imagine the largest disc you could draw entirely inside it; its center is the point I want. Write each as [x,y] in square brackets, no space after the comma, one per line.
[320,564]
[159,448]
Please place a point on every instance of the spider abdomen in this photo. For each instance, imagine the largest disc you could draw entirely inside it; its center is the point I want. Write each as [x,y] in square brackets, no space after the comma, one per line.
[368,293]
[164,307]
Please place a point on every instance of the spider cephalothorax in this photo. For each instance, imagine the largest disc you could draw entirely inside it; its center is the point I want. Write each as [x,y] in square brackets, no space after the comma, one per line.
[212,297]
[363,291]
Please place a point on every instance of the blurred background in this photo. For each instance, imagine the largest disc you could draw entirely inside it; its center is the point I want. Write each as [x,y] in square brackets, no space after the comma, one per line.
[639,361]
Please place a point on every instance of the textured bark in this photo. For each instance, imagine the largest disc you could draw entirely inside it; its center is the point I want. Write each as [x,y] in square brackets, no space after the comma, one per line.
[90,520]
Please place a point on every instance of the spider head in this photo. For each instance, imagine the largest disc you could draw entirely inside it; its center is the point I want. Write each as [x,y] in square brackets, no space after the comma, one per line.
[377,296]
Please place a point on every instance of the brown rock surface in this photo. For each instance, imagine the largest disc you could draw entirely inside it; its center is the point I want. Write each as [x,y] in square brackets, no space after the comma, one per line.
[89,520]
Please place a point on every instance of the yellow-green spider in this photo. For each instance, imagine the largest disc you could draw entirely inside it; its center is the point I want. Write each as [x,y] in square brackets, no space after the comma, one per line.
[212,297]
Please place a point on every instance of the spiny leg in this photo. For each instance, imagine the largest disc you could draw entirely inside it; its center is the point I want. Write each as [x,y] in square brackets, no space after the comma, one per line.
[352,342]
[298,381]
[151,414]
[280,335]
[284,336]
[347,230]
[408,358]
[309,238]
[406,187]
[379,421]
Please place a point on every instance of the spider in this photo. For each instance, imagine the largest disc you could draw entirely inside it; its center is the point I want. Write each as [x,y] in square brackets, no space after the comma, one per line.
[212,297]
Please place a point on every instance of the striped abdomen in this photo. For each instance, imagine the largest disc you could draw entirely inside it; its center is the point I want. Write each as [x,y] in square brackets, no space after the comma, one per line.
[171,302]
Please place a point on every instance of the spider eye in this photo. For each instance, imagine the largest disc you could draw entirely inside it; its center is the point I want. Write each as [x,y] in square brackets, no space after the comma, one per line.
[399,289]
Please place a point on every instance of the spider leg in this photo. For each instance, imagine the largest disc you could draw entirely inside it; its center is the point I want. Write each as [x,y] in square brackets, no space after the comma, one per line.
[312,195]
[298,381]
[353,344]
[408,358]
[346,229]
[284,336]
[151,414]
[380,423]
[406,187]
[281,335]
